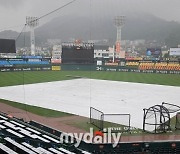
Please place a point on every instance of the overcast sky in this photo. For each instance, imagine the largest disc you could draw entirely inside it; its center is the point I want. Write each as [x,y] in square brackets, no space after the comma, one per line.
[14,12]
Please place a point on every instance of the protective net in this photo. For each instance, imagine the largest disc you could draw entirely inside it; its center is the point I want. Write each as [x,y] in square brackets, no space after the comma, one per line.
[156,119]
[116,122]
[177,126]
[172,108]
[96,118]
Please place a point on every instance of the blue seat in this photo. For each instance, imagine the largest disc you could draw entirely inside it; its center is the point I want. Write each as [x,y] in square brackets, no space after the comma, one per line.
[4,62]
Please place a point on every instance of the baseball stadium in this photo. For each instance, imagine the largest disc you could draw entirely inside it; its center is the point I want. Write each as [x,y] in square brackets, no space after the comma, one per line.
[72,98]
[92,99]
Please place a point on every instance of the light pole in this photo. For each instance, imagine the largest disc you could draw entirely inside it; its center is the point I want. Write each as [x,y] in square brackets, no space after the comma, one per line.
[119,22]
[32,22]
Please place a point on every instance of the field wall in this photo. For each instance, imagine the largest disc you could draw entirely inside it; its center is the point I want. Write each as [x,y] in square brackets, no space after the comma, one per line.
[74,67]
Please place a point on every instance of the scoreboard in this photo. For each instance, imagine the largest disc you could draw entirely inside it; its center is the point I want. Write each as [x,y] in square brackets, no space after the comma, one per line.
[154,52]
[7,46]
[73,53]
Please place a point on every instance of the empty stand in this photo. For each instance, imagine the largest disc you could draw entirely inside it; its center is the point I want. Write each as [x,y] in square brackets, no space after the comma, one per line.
[4,63]
[19,147]
[159,66]
[132,64]
[37,140]
[146,66]
[6,150]
[17,62]
[22,62]
[55,151]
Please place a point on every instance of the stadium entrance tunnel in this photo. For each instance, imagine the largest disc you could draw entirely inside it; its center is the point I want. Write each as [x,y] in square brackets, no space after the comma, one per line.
[157,119]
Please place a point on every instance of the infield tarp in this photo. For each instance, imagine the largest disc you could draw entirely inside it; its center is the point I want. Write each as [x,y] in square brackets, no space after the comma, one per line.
[77,95]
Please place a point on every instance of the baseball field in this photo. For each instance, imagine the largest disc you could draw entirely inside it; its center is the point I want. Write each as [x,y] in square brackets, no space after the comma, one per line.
[24,78]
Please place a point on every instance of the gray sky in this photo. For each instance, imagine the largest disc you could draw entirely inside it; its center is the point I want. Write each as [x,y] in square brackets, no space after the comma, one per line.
[14,12]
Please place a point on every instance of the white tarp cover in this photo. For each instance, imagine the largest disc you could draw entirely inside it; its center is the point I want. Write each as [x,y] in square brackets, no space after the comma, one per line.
[76,96]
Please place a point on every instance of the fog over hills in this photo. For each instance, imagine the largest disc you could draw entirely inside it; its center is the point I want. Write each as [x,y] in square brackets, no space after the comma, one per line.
[137,26]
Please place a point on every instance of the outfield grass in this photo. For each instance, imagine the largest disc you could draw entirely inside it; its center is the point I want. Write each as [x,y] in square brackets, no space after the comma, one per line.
[19,78]
[36,110]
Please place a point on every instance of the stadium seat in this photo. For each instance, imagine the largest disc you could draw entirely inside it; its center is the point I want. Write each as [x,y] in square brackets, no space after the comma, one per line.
[132,63]
[146,66]
[159,66]
[19,147]
[17,62]
[4,149]
[12,143]
[4,63]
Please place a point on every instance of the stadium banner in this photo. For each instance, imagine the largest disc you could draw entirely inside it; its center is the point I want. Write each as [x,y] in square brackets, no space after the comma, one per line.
[86,68]
[56,68]
[75,67]
[68,67]
[31,57]
[55,61]
[27,69]
[36,69]
[5,69]
[174,52]
[120,69]
[46,68]
[111,64]
[15,69]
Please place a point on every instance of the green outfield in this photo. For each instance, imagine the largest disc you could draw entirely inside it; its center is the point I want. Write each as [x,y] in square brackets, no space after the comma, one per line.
[19,78]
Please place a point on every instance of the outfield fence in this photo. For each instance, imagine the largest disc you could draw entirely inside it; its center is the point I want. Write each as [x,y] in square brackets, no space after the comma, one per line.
[88,67]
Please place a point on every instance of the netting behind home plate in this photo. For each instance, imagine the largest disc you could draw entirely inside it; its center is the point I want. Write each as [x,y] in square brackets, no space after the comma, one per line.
[96,118]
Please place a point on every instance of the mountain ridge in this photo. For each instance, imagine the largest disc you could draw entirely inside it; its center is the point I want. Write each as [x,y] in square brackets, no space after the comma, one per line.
[137,26]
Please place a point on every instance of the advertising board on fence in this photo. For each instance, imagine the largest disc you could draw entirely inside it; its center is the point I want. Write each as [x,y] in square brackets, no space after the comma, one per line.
[15,69]
[121,69]
[87,68]
[56,68]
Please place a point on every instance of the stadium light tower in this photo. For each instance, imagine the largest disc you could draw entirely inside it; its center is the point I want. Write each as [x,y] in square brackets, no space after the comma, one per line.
[119,22]
[32,22]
